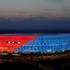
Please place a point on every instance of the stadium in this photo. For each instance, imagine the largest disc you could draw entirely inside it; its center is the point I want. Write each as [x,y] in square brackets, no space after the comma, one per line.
[34,49]
[35,34]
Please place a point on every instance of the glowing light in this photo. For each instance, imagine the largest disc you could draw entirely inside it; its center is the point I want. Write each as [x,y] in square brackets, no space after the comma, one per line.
[19,42]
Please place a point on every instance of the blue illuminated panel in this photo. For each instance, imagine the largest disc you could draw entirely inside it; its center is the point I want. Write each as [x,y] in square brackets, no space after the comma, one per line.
[47,43]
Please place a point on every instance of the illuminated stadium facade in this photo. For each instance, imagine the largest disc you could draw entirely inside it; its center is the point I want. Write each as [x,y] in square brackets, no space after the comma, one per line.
[49,43]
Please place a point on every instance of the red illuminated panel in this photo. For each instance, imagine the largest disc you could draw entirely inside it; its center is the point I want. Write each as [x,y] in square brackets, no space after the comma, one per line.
[10,43]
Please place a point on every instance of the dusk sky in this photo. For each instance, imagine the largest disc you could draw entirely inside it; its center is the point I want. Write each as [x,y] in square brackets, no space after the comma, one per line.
[26,14]
[48,8]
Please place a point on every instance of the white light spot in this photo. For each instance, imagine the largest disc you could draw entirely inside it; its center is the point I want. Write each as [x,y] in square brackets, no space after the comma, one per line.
[19,42]
[49,50]
[8,42]
[13,42]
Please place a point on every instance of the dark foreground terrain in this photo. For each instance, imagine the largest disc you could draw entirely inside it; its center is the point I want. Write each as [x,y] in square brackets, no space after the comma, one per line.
[34,62]
[63,64]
